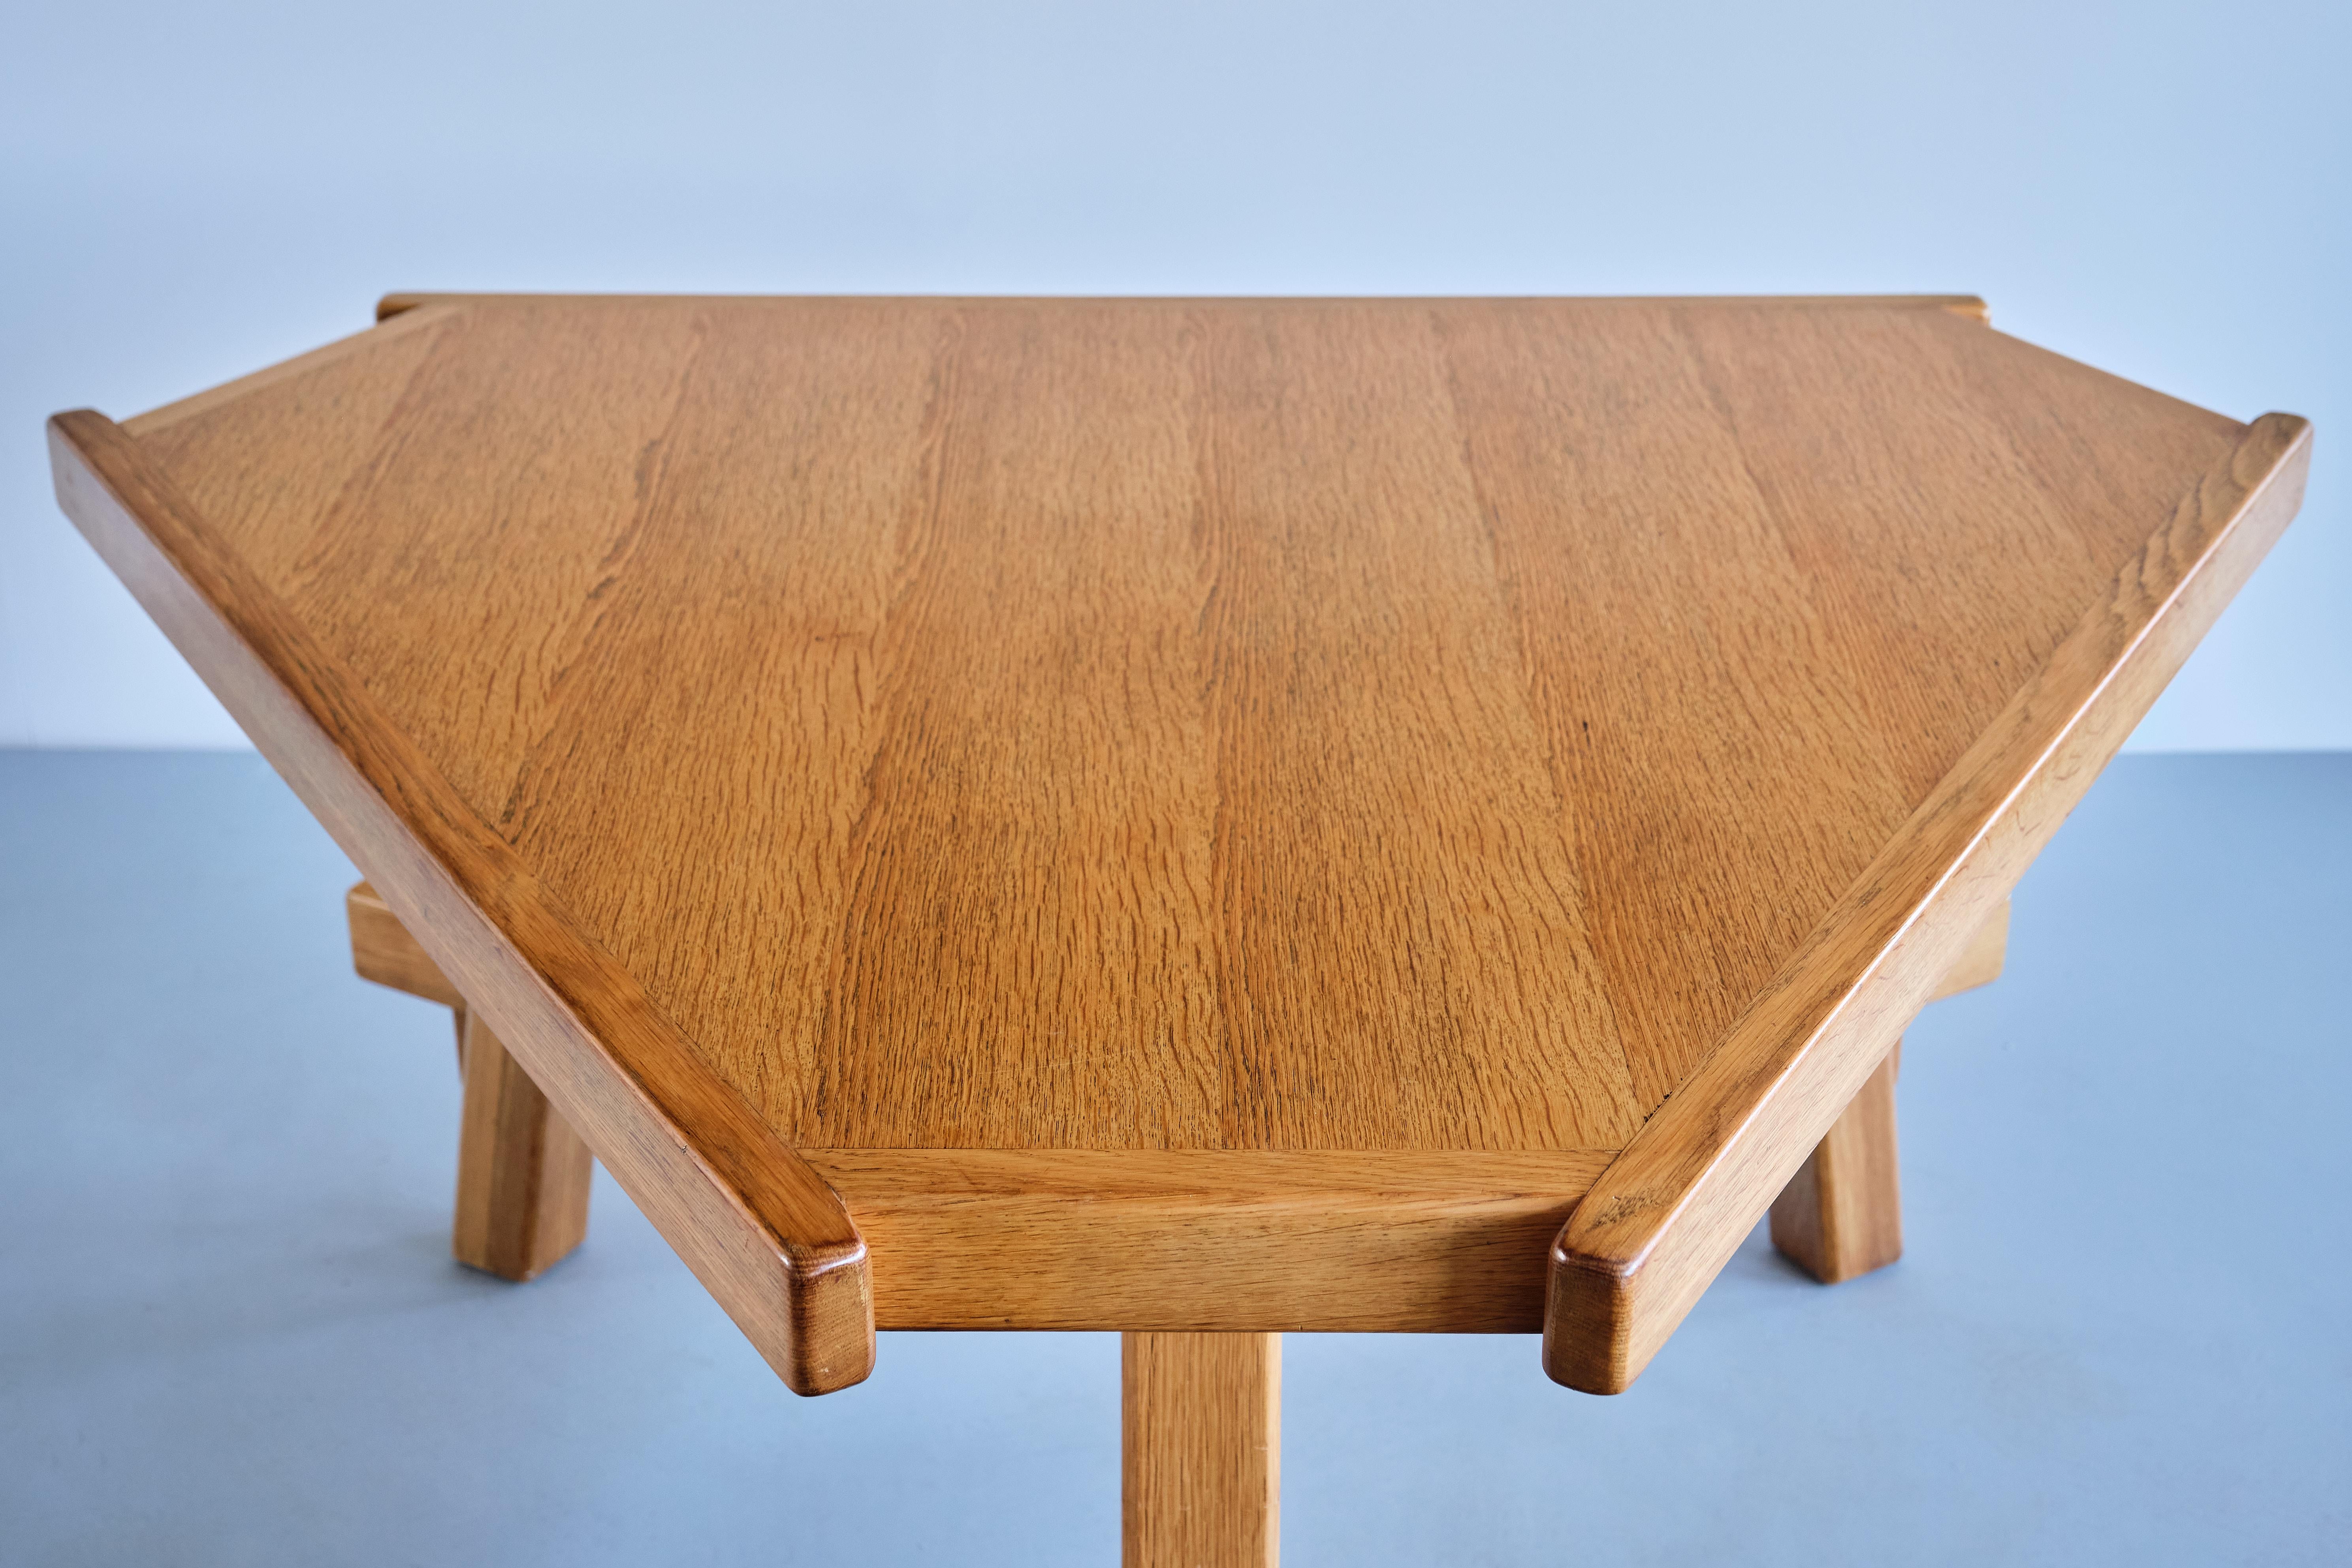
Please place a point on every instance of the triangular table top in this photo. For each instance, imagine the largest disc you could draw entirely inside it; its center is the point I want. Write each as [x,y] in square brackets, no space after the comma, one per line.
[1189,814]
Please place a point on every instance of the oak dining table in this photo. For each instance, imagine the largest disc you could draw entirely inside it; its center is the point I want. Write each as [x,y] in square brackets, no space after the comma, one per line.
[1196,818]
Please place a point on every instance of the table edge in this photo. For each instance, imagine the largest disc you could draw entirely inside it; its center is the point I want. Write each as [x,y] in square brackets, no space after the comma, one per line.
[778,1247]
[1667,1215]
[1971,305]
[765,1233]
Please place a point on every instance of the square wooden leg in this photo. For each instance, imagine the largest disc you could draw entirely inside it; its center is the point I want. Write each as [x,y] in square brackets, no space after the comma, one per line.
[1201,1449]
[1843,1213]
[522,1172]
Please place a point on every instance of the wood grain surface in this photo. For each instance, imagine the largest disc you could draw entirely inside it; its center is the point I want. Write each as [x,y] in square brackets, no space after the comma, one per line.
[1388,1242]
[763,1233]
[1140,729]
[1201,1450]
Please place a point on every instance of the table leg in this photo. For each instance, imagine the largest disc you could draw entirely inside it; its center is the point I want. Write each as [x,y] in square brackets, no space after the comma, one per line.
[1842,1215]
[1202,1417]
[522,1172]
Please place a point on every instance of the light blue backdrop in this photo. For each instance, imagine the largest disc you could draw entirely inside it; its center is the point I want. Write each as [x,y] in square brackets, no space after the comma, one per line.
[188,193]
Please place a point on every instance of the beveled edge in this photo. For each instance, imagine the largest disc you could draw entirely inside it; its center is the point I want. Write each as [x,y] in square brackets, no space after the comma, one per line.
[1669,1212]
[765,1233]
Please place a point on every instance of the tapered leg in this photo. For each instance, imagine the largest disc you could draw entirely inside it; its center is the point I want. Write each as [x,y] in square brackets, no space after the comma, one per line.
[1203,1449]
[1843,1213]
[522,1172]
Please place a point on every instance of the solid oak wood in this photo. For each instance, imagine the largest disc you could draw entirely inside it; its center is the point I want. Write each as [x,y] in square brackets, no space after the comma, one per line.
[762,1232]
[383,951]
[1980,962]
[1201,1420]
[1842,1214]
[1186,1240]
[1389,1243]
[522,1173]
[1669,1212]
[1019,743]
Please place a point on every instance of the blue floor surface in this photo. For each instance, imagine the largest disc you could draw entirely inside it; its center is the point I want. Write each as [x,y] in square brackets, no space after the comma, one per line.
[230,1331]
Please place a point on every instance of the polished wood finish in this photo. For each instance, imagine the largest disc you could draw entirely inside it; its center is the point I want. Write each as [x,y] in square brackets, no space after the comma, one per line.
[764,1234]
[1018,743]
[1964,305]
[522,1173]
[1325,1243]
[1842,1214]
[1201,1422]
[936,1027]
[1670,1211]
